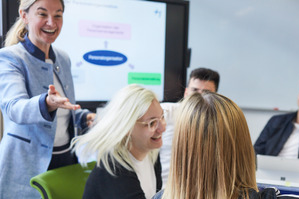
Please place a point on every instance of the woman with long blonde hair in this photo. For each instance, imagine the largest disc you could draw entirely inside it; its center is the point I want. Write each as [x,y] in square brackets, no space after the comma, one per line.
[212,153]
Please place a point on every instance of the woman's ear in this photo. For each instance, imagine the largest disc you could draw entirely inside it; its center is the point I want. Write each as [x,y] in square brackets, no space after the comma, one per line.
[23,16]
[127,140]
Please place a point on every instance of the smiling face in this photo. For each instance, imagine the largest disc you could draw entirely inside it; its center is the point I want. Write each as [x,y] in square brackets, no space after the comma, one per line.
[44,21]
[143,140]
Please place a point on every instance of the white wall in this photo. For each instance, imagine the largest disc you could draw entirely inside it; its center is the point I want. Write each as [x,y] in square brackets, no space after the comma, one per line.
[207,52]
[254,48]
[256,119]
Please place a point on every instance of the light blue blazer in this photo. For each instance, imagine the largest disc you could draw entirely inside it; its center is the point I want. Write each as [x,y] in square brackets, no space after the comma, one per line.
[29,130]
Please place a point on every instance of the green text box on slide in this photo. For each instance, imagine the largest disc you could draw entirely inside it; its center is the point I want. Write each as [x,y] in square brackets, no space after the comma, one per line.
[144,78]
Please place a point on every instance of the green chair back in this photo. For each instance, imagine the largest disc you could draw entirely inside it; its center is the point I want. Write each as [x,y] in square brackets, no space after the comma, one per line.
[63,183]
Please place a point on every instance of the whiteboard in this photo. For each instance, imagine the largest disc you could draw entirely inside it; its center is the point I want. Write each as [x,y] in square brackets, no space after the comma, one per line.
[253,44]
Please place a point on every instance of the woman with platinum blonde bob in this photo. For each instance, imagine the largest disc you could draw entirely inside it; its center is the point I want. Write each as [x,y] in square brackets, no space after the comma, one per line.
[125,140]
[212,153]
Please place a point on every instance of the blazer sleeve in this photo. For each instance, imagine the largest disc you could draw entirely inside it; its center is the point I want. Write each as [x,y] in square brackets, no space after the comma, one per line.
[19,101]
[260,144]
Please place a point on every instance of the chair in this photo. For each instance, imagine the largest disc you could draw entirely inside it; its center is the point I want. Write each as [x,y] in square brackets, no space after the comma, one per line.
[63,183]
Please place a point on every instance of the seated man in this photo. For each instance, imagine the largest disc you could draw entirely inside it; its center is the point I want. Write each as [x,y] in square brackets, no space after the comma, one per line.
[200,79]
[280,137]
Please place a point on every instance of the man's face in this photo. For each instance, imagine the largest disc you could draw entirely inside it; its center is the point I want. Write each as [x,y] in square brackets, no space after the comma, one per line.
[197,85]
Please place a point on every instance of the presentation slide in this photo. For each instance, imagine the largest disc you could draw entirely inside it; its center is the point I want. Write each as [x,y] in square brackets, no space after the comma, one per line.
[113,43]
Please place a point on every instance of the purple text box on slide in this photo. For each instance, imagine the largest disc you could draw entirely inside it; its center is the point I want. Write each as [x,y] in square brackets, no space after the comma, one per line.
[104,29]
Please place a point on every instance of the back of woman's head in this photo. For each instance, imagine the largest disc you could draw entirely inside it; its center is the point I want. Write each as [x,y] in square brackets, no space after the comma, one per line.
[18,31]
[212,154]
[110,137]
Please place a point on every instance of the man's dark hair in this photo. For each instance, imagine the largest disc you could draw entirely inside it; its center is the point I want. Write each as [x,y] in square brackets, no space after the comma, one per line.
[206,75]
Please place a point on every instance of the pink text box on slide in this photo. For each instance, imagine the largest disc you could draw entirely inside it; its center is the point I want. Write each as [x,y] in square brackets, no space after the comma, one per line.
[104,29]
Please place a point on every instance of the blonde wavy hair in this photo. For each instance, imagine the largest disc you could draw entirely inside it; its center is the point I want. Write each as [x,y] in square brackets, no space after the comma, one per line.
[212,153]
[109,139]
[18,31]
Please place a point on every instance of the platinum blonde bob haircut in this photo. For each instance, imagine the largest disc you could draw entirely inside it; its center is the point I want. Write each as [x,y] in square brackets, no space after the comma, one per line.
[109,139]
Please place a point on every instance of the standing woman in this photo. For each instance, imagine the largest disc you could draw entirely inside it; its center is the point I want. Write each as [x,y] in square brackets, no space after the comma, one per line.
[126,141]
[36,99]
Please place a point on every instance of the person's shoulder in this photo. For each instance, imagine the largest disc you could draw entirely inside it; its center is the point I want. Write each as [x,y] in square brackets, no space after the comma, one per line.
[60,53]
[170,110]
[57,49]
[267,193]
[14,54]
[11,50]
[117,169]
[273,193]
[283,117]
[170,106]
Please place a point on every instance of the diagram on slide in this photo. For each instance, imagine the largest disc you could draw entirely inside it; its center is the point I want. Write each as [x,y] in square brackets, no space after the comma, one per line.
[113,43]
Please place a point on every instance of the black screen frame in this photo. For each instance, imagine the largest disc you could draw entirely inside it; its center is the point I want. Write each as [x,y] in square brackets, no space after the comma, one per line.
[9,15]
[177,53]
